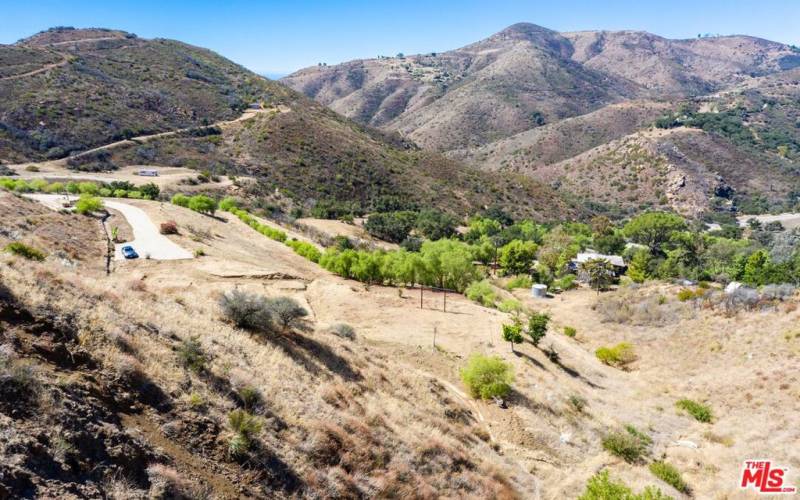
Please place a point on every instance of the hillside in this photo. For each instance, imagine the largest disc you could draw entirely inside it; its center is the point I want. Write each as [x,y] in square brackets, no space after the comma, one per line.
[100,99]
[133,396]
[526,76]
[67,90]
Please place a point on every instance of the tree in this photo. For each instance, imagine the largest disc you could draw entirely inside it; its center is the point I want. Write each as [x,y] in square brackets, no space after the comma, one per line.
[537,327]
[150,191]
[448,264]
[435,225]
[638,267]
[391,226]
[246,310]
[512,333]
[203,204]
[599,273]
[517,257]
[756,268]
[612,243]
[487,377]
[654,229]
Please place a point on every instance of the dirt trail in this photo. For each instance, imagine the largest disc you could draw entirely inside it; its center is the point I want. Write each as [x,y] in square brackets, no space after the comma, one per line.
[47,67]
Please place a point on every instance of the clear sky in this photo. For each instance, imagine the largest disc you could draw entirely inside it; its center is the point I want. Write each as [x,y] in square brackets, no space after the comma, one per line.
[278,37]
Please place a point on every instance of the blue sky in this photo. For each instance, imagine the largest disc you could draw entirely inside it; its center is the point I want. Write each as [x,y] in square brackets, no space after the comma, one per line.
[282,36]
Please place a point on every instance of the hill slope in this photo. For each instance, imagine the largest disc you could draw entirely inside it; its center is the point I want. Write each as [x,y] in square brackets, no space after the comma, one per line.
[527,75]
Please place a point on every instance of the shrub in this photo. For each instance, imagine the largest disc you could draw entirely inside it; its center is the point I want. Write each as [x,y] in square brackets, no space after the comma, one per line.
[89,188]
[601,487]
[305,249]
[778,292]
[512,306]
[150,191]
[567,282]
[179,199]
[169,227]
[619,355]
[343,330]
[227,204]
[481,292]
[190,353]
[135,195]
[104,193]
[87,204]
[570,331]
[23,250]
[537,327]
[202,204]
[517,256]
[487,376]
[244,427]
[285,311]
[700,412]
[577,403]
[246,310]
[199,252]
[121,193]
[521,281]
[391,226]
[670,475]
[628,444]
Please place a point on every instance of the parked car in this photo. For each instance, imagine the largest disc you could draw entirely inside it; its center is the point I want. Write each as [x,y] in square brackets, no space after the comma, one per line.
[129,253]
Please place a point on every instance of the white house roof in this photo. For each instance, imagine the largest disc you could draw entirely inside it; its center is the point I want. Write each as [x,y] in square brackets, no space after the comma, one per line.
[615,260]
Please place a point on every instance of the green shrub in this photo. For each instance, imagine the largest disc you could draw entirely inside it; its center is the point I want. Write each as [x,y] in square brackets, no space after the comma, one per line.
[23,250]
[104,192]
[577,403]
[512,306]
[537,327]
[601,487]
[54,187]
[343,330]
[305,249]
[87,204]
[179,199]
[89,188]
[482,292]
[73,188]
[190,353]
[121,193]
[670,475]
[567,282]
[628,444]
[700,412]
[570,331]
[487,376]
[619,355]
[520,281]
[227,204]
[201,203]
[244,427]
[135,195]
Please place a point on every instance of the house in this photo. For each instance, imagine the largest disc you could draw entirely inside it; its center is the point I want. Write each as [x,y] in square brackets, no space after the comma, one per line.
[616,261]
[148,172]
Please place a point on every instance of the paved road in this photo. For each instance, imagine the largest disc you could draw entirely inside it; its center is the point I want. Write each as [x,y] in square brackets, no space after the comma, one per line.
[147,241]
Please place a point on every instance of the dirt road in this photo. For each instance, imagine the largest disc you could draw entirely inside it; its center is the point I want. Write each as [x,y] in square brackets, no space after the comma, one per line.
[147,240]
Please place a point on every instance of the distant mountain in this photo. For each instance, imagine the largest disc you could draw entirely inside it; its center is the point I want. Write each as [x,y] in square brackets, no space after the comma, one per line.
[528,98]
[527,75]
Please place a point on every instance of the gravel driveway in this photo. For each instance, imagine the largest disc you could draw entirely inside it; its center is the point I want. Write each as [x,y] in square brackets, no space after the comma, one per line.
[147,241]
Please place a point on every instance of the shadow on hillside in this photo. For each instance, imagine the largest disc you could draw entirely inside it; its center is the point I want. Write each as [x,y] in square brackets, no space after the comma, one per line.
[517,398]
[575,374]
[274,473]
[530,358]
[310,353]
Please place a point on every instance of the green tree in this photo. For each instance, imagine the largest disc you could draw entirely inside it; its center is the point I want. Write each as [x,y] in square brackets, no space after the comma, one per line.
[517,256]
[599,273]
[638,267]
[756,269]
[513,334]
[654,229]
[448,264]
[537,327]
[150,191]
[391,226]
[435,225]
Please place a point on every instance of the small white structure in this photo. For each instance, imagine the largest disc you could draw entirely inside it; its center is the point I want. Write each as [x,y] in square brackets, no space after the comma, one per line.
[732,287]
[148,172]
[539,291]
